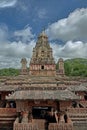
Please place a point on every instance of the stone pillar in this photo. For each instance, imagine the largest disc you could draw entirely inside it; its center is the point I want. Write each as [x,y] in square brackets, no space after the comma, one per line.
[61,118]
[24,66]
[24,117]
[61,66]
[30,114]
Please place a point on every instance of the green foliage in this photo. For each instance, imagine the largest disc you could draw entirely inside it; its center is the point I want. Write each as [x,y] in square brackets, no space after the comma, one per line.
[68,68]
[76,67]
[9,72]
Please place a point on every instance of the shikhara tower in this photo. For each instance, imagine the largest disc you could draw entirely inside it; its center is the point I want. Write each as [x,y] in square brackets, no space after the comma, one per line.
[42,62]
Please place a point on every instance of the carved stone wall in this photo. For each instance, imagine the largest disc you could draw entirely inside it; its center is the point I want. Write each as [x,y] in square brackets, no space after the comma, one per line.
[65,104]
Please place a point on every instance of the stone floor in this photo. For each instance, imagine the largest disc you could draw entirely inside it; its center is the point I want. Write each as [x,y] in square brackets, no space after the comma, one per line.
[81,127]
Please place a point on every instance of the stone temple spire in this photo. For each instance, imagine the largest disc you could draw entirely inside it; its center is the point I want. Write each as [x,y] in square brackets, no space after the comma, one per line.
[42,61]
[42,39]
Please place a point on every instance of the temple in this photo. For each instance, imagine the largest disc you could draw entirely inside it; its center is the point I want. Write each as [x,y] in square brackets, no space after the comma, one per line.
[43,97]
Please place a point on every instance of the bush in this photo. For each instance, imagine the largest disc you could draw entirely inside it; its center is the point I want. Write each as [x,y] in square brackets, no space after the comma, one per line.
[9,72]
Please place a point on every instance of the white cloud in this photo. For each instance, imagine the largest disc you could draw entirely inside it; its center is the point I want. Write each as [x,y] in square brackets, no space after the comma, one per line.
[25,35]
[12,52]
[72,31]
[17,49]
[22,7]
[3,32]
[70,49]
[7,3]
[74,27]
[9,62]
[42,13]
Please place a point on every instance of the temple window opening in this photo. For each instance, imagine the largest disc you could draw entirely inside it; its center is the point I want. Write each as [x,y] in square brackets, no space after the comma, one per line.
[42,67]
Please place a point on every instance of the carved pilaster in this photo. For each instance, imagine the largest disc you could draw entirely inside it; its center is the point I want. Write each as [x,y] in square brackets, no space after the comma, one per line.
[25,117]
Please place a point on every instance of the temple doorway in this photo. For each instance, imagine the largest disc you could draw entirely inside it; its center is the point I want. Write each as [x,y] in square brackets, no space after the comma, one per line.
[85,97]
[40,112]
[46,113]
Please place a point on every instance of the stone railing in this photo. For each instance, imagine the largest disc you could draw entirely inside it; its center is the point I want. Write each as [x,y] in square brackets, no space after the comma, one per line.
[77,111]
[41,125]
[78,115]
[7,112]
[34,125]
[60,126]
[25,126]
[7,117]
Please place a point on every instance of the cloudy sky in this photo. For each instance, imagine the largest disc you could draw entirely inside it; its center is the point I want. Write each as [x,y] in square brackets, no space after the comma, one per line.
[21,21]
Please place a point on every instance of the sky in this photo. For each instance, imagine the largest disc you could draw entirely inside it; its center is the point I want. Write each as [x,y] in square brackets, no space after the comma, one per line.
[21,21]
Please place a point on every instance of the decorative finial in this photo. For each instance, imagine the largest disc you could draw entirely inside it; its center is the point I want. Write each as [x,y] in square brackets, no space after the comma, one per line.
[43,31]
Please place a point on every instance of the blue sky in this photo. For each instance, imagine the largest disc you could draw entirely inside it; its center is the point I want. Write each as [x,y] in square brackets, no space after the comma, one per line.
[21,21]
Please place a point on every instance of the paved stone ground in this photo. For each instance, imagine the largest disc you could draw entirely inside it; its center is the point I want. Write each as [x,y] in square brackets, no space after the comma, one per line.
[81,127]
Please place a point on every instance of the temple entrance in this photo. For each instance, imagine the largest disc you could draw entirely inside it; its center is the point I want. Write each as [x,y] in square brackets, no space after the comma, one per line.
[46,113]
[45,116]
[40,112]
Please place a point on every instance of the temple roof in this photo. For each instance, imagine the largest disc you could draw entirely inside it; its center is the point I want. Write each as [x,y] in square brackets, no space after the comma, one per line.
[6,88]
[60,60]
[23,60]
[42,95]
[79,88]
